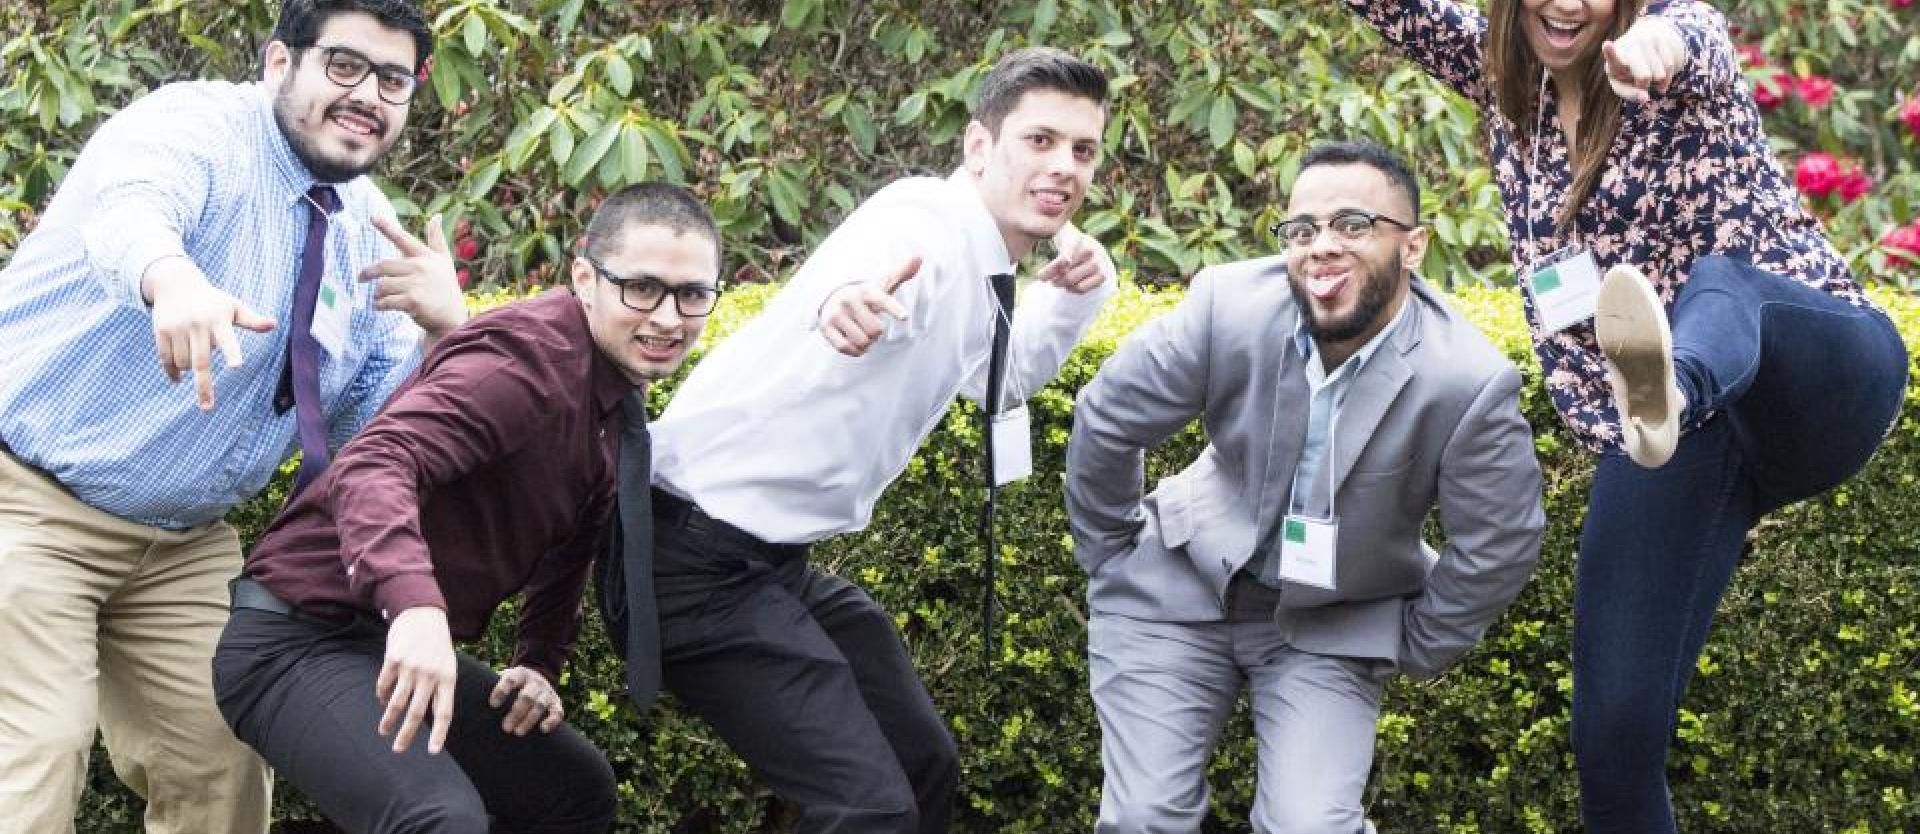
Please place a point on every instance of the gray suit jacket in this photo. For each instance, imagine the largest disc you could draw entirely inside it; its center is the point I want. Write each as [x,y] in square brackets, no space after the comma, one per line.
[1433,420]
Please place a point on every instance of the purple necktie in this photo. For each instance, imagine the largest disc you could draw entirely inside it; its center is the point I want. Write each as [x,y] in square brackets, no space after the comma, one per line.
[303,361]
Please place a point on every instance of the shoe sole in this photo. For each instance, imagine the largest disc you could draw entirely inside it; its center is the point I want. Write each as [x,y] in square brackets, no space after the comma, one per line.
[1631,325]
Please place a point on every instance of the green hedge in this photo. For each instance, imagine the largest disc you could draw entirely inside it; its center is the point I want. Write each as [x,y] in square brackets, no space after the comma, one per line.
[1805,715]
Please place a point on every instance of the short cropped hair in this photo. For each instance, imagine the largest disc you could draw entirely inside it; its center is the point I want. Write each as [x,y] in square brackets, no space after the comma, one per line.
[301,21]
[1035,68]
[1373,155]
[649,204]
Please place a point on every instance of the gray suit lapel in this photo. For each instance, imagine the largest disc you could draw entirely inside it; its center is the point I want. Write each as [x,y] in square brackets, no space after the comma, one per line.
[1288,423]
[1374,391]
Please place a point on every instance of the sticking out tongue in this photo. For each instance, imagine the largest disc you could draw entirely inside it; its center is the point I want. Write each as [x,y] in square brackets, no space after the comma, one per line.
[1323,287]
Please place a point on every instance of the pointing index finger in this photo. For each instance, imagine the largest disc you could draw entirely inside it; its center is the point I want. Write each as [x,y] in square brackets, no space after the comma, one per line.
[401,239]
[902,275]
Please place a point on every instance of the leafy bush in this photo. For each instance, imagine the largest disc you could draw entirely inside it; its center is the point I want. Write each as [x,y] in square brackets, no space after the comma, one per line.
[782,114]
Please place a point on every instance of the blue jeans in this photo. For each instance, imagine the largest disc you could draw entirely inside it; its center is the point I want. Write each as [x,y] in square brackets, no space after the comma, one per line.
[1801,388]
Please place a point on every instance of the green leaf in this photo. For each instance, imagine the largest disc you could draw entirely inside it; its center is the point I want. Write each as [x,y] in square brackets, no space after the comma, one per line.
[1220,120]
[481,181]
[526,136]
[560,141]
[475,33]
[1045,13]
[633,154]
[859,123]
[590,152]
[794,13]
[910,108]
[619,74]
[786,196]
[667,150]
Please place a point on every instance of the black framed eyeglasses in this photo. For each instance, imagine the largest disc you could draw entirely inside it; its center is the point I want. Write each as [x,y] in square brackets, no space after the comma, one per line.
[1349,226]
[348,67]
[644,293]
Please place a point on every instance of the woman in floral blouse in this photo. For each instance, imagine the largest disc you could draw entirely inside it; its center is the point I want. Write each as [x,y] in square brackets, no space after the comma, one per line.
[1626,140]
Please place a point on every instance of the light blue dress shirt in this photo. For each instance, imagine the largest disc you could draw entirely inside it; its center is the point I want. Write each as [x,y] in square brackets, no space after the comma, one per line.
[1312,493]
[201,170]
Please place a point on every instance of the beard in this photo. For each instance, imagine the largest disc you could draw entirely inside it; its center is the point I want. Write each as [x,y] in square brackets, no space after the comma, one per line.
[323,168]
[1375,294]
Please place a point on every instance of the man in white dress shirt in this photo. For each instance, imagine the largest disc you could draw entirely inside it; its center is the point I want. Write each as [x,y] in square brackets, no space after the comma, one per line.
[787,433]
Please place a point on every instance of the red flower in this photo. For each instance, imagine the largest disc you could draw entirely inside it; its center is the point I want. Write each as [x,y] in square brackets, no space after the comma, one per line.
[461,276]
[1854,184]
[1771,96]
[1910,113]
[1815,90]
[1903,244]
[1817,175]
[1901,4]
[466,249]
[1751,55]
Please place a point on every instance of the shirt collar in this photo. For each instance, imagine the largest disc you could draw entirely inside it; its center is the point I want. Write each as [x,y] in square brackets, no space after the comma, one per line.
[1303,342]
[986,247]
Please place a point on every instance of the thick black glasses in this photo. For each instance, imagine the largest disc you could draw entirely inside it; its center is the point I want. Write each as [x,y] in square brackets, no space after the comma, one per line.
[1349,226]
[644,294]
[347,67]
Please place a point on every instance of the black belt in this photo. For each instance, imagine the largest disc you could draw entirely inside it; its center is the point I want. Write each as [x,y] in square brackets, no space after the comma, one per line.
[671,510]
[246,592]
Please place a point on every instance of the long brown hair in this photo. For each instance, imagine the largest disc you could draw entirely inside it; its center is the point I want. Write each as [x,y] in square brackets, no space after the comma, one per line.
[1514,73]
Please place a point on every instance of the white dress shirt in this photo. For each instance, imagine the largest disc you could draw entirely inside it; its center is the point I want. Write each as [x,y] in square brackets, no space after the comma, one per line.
[780,435]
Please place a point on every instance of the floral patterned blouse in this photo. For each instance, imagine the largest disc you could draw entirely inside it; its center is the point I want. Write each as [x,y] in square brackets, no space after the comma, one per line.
[1690,174]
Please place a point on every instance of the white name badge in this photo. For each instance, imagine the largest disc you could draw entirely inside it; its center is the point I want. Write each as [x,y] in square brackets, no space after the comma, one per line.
[332,311]
[1012,445]
[1564,288]
[1306,550]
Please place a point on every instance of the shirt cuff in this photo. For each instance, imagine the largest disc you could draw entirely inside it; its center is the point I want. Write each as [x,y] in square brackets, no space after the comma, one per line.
[129,265]
[542,657]
[408,590]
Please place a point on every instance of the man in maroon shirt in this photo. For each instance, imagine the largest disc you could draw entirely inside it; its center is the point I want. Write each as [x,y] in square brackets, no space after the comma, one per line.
[491,472]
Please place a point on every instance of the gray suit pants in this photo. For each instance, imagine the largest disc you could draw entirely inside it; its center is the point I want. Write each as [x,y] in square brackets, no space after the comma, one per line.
[1163,691]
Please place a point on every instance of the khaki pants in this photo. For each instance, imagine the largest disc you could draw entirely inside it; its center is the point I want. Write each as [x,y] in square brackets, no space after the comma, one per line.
[110,624]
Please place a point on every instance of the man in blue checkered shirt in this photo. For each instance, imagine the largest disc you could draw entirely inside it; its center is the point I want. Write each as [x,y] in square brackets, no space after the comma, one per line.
[170,254]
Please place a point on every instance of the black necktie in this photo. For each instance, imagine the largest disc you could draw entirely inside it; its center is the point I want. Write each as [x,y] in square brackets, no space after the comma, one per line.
[626,589]
[996,383]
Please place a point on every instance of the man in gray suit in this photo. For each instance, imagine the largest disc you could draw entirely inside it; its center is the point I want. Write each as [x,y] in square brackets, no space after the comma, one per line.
[1343,402]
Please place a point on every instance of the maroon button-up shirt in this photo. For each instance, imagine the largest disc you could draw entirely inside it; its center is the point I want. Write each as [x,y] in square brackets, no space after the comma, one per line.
[490,471]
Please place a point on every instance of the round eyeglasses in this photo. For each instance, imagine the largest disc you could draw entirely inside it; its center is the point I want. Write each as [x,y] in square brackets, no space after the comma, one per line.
[1349,226]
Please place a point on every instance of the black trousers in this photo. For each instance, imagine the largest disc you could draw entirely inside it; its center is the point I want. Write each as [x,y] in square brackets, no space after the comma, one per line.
[804,676]
[300,691]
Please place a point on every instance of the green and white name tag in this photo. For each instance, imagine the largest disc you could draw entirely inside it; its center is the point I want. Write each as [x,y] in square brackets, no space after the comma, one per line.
[1564,286]
[332,311]
[1012,445]
[1306,550]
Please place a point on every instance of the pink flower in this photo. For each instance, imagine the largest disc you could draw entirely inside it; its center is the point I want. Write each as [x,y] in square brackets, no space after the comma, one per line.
[1817,175]
[1815,90]
[1854,184]
[467,249]
[1770,97]
[1910,113]
[1901,4]
[462,276]
[1903,244]
[1751,55]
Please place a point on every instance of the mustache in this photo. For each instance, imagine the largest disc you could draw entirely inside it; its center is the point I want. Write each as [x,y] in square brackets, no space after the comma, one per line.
[368,113]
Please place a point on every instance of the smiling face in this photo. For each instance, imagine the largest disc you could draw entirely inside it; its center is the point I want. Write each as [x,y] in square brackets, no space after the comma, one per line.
[1034,174]
[1566,33]
[1349,291]
[646,346]
[338,132]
